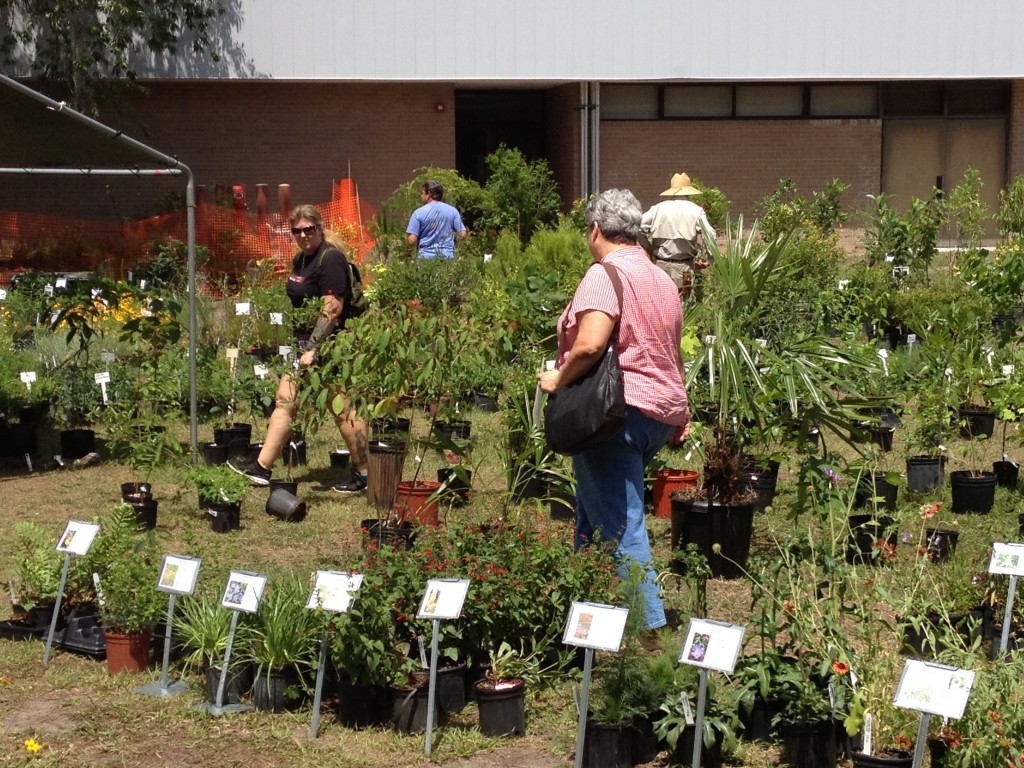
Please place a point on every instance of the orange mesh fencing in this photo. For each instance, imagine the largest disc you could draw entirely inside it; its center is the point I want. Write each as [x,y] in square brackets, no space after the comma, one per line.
[235,239]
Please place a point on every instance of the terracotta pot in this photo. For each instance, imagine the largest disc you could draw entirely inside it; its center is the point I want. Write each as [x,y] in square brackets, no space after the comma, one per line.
[665,482]
[413,502]
[127,653]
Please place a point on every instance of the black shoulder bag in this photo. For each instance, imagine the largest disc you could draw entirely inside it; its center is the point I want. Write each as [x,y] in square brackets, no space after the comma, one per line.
[591,409]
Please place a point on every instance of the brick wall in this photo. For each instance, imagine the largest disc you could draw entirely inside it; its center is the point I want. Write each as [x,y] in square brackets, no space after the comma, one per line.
[563,139]
[743,158]
[304,134]
[1015,148]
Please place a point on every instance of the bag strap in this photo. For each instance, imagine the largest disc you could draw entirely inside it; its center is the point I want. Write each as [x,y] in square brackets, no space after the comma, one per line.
[613,275]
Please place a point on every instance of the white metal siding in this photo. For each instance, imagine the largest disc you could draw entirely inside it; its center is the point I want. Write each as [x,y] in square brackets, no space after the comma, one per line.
[570,40]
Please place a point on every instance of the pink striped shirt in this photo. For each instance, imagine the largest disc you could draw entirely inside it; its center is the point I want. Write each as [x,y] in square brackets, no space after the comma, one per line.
[649,331]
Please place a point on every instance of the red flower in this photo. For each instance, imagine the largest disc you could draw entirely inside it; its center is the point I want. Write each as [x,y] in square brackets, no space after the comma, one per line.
[929,510]
[840,668]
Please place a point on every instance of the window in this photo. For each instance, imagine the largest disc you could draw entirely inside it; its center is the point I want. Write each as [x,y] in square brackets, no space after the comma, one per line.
[629,102]
[769,100]
[698,101]
[844,100]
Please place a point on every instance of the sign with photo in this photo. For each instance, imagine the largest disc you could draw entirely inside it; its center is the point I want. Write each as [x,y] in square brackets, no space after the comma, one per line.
[934,689]
[1007,559]
[712,645]
[592,625]
[77,537]
[334,590]
[443,599]
[243,591]
[178,574]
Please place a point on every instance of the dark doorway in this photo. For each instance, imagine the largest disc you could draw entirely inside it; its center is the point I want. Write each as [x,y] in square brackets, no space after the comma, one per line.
[485,119]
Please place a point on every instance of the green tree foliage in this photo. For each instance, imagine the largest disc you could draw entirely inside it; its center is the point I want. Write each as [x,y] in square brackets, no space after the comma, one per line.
[524,192]
[78,43]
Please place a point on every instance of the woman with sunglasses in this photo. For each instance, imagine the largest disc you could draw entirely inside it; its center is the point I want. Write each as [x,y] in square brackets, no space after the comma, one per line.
[319,271]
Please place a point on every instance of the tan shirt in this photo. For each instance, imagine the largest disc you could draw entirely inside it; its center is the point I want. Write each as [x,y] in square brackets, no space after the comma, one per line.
[670,229]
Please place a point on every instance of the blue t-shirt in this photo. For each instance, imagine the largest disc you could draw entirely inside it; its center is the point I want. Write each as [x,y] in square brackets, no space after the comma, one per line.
[435,224]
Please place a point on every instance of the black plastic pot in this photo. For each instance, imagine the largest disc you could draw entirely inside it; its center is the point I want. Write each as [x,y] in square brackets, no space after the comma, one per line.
[283,504]
[710,756]
[973,492]
[608,746]
[340,459]
[224,517]
[276,690]
[134,492]
[213,453]
[895,759]
[456,490]
[1007,473]
[875,487]
[762,478]
[867,532]
[76,443]
[976,421]
[294,453]
[940,544]
[237,685]
[409,709]
[454,430]
[398,535]
[972,627]
[881,436]
[362,705]
[145,513]
[925,473]
[809,745]
[721,532]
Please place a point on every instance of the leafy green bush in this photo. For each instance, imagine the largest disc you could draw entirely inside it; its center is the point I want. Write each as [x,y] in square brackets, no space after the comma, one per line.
[524,193]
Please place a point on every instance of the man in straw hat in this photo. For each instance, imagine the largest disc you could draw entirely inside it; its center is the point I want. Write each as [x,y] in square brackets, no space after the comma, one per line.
[671,233]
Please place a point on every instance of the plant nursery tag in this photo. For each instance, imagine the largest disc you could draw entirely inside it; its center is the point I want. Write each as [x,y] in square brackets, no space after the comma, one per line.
[712,645]
[60,282]
[684,699]
[142,284]
[27,378]
[277,318]
[443,599]
[178,574]
[96,293]
[231,353]
[54,318]
[592,625]
[243,591]
[59,459]
[334,591]
[28,462]
[843,284]
[488,257]
[911,339]
[284,351]
[107,357]
[77,537]
[1008,370]
[934,689]
[1007,559]
[102,377]
[890,258]
[48,289]
[3,294]
[242,308]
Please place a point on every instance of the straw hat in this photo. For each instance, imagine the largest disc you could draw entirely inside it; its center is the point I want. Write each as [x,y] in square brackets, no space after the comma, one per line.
[681,186]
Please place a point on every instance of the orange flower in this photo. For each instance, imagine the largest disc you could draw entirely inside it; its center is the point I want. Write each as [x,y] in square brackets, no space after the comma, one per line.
[929,510]
[840,668]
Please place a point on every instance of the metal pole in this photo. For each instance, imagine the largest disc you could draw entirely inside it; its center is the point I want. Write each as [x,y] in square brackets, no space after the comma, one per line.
[165,688]
[193,322]
[167,641]
[581,725]
[318,692]
[432,690]
[56,607]
[922,738]
[227,662]
[1004,640]
[698,725]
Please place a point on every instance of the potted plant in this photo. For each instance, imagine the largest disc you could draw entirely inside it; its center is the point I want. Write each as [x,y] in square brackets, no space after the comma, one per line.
[740,364]
[128,565]
[674,725]
[34,579]
[501,695]
[221,491]
[282,643]
[202,627]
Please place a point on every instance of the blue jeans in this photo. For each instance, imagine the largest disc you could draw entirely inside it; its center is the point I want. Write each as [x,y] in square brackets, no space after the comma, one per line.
[610,500]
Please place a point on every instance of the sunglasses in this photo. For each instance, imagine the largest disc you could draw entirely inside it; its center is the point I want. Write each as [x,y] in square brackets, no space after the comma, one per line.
[304,230]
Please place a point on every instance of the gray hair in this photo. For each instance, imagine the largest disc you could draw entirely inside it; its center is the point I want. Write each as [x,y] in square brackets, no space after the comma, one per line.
[618,213]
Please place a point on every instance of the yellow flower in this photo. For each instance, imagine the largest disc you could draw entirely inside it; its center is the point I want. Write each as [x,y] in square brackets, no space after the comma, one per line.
[4,680]
[33,746]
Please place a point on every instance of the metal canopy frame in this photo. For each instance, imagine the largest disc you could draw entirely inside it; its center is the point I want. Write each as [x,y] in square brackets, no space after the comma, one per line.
[41,136]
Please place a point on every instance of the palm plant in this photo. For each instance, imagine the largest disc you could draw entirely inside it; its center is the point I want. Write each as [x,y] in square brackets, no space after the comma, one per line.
[739,366]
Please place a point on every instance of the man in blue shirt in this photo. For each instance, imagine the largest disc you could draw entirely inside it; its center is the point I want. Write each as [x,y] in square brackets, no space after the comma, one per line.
[434,225]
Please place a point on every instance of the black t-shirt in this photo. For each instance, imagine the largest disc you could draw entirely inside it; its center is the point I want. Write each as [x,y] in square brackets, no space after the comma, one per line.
[320,274]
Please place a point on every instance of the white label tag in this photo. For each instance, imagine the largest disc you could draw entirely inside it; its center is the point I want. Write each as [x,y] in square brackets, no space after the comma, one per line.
[231,353]
[684,699]
[96,293]
[284,351]
[60,282]
[102,377]
[3,294]
[142,284]
[28,377]
[242,307]
[277,318]
[48,289]
[261,370]
[1008,370]
[108,357]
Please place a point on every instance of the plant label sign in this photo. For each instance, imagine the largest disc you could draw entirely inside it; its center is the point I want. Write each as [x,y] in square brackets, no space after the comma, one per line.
[334,590]
[3,294]
[284,351]
[712,645]
[178,574]
[592,625]
[102,378]
[243,308]
[934,689]
[28,378]
[261,370]
[77,538]
[48,289]
[443,599]
[243,591]
[1007,559]
[107,357]
[60,282]
[277,318]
